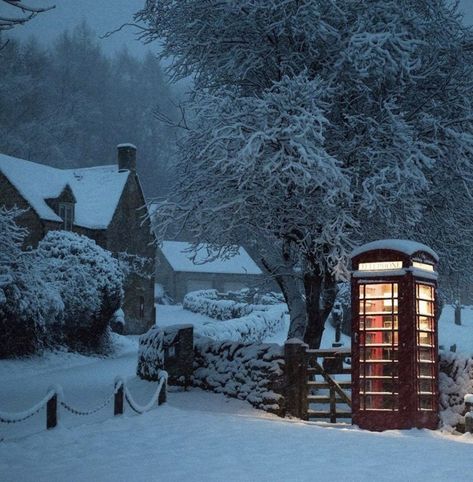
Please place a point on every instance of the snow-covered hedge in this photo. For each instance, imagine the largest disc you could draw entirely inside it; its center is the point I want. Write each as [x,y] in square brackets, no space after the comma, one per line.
[240,316]
[254,327]
[226,306]
[248,371]
[455,381]
[211,303]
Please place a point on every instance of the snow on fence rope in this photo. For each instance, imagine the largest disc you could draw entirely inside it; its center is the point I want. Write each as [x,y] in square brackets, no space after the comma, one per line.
[76,411]
[55,397]
[6,417]
[159,395]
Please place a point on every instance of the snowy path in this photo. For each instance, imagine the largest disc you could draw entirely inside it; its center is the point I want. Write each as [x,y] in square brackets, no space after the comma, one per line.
[86,383]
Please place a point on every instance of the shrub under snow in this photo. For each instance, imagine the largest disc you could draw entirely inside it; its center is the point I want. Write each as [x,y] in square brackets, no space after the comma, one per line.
[90,283]
[240,316]
[211,303]
[28,301]
[254,327]
[455,380]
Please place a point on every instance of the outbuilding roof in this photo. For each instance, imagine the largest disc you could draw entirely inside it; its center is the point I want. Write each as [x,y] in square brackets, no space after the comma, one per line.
[97,190]
[402,245]
[179,256]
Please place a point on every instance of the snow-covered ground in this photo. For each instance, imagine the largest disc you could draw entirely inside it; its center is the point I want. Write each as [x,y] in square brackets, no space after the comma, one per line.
[199,435]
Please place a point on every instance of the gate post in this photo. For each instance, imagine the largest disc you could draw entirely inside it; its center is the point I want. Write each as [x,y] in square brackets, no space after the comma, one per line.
[296,378]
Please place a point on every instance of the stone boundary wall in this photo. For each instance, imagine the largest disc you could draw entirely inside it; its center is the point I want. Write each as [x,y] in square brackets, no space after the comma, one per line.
[269,376]
[248,371]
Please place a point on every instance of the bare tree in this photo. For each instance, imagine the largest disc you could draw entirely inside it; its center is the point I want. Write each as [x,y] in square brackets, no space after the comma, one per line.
[21,13]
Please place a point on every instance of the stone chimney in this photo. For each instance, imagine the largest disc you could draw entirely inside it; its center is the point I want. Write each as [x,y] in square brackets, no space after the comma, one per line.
[126,157]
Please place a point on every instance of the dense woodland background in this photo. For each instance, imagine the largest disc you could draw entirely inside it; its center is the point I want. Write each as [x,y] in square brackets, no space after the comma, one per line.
[70,104]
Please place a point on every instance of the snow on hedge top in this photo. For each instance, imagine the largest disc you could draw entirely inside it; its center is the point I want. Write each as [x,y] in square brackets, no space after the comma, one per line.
[97,189]
[402,245]
[179,255]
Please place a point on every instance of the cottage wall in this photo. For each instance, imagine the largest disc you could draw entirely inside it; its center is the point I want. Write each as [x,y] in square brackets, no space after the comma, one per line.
[165,275]
[178,284]
[129,232]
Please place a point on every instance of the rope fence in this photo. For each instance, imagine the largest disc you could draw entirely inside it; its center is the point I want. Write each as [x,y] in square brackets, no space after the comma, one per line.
[54,399]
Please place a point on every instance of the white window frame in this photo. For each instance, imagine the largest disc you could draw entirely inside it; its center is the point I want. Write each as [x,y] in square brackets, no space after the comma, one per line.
[66,212]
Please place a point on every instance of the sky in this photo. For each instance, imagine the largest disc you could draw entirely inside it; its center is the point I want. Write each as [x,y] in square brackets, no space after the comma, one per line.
[101,15]
[106,15]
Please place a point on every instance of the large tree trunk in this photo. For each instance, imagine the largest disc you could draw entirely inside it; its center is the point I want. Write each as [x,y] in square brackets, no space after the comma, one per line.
[291,288]
[320,292]
[296,306]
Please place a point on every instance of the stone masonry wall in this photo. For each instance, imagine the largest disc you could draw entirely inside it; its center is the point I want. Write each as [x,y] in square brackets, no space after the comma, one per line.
[249,371]
[128,232]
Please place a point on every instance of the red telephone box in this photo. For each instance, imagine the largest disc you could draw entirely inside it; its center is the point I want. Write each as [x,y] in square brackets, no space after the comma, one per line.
[394,336]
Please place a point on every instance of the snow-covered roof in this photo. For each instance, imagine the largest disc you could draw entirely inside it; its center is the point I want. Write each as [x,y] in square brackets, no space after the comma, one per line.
[97,189]
[179,256]
[402,245]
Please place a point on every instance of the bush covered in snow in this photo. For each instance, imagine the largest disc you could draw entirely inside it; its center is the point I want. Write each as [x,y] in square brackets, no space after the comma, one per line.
[248,371]
[254,327]
[89,281]
[455,381]
[226,306]
[213,304]
[244,315]
[28,301]
[63,292]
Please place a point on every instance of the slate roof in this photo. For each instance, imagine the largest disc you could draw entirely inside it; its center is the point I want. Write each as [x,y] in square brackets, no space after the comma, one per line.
[97,189]
[178,254]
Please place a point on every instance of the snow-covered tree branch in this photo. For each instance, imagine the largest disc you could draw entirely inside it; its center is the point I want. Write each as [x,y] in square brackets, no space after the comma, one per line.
[17,12]
[318,125]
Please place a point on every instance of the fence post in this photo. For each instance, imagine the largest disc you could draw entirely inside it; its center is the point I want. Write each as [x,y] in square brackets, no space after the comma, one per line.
[163,393]
[469,413]
[51,412]
[118,399]
[296,378]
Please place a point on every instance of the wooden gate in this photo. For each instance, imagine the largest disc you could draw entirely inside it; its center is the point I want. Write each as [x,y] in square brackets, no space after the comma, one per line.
[328,381]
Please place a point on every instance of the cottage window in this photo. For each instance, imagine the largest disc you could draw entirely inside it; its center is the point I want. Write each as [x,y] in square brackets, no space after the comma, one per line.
[66,212]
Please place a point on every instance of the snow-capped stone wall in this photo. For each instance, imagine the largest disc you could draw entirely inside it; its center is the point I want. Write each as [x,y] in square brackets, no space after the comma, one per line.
[170,349]
[249,371]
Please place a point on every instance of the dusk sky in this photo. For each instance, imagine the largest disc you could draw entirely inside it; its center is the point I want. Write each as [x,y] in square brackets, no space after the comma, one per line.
[106,15]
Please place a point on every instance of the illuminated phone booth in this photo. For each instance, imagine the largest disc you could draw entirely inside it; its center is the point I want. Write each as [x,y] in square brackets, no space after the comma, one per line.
[394,336]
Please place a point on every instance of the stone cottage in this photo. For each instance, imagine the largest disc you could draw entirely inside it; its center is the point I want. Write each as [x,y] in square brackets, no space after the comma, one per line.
[104,203]
[178,274]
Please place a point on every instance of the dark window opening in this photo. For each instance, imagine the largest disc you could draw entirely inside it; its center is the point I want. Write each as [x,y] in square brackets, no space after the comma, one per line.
[66,212]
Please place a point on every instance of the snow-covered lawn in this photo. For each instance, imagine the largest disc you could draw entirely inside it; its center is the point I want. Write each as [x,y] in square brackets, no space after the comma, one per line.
[199,435]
